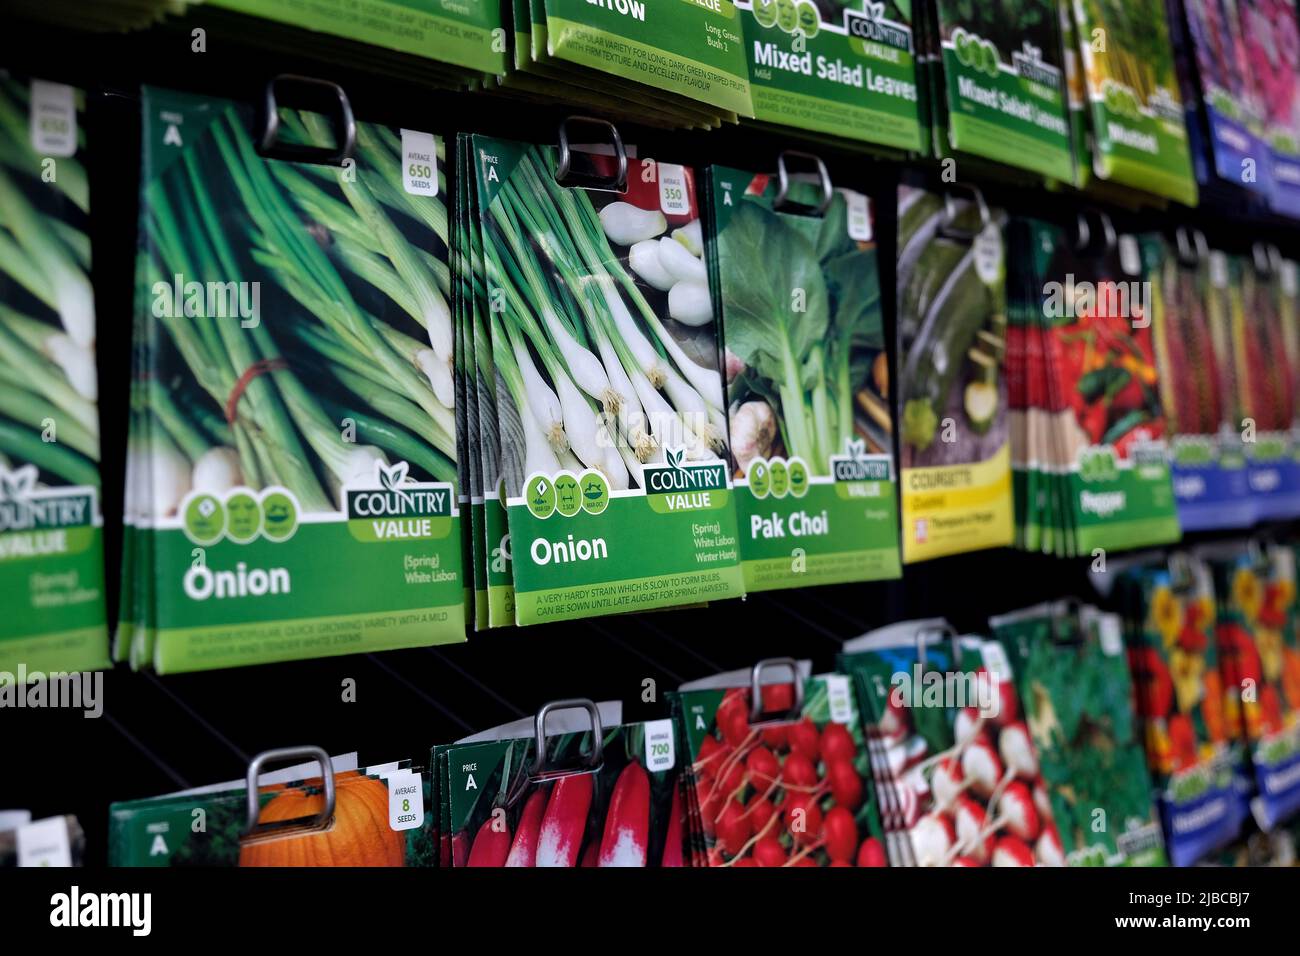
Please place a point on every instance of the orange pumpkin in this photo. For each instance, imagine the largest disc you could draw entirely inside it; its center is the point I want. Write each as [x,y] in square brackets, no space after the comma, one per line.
[360,836]
[1291,677]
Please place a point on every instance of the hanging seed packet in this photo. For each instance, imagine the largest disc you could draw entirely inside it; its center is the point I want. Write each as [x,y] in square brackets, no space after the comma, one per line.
[1255,587]
[786,783]
[371,817]
[1139,133]
[951,749]
[51,536]
[1004,84]
[1072,676]
[692,50]
[952,315]
[1187,716]
[610,400]
[1266,306]
[807,384]
[844,68]
[1271,38]
[295,420]
[1191,330]
[602,797]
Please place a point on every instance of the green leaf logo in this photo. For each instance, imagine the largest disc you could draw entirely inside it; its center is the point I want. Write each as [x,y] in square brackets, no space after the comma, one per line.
[18,484]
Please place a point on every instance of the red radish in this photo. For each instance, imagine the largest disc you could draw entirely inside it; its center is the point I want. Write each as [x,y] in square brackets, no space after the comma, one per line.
[805,740]
[732,779]
[1042,803]
[839,863]
[712,752]
[1048,849]
[895,721]
[803,818]
[732,828]
[1017,751]
[769,852]
[980,765]
[846,785]
[971,820]
[969,725]
[733,721]
[1011,851]
[760,811]
[523,852]
[775,736]
[764,769]
[745,862]
[837,743]
[777,698]
[627,821]
[673,838]
[932,838]
[840,834]
[798,771]
[460,849]
[565,821]
[946,782]
[805,861]
[871,853]
[1016,807]
[491,845]
[965,861]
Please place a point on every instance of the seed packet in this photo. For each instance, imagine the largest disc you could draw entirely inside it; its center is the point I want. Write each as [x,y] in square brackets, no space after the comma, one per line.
[294,426]
[378,817]
[844,68]
[1191,330]
[1271,38]
[1073,679]
[807,373]
[1004,85]
[1186,714]
[1264,304]
[786,783]
[952,315]
[1139,136]
[953,759]
[607,796]
[609,398]
[1255,634]
[52,841]
[51,527]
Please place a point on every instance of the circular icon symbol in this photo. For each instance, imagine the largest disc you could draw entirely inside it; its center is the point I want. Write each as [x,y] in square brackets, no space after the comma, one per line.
[279,515]
[568,498]
[205,519]
[539,496]
[780,478]
[799,480]
[243,517]
[595,492]
[810,21]
[765,12]
[787,15]
[760,478]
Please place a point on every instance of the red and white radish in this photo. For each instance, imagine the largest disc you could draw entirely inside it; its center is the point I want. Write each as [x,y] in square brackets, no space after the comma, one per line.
[1012,851]
[980,766]
[972,839]
[1017,751]
[565,821]
[627,820]
[491,845]
[523,852]
[947,782]
[932,838]
[1016,810]
[1048,849]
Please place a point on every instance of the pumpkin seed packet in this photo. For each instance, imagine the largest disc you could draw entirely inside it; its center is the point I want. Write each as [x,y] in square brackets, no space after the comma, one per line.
[954,448]
[1139,136]
[382,817]
[1004,84]
[294,408]
[807,383]
[786,783]
[609,398]
[1255,589]
[951,750]
[1264,317]
[1271,37]
[603,797]
[51,534]
[1072,677]
[843,68]
[1187,716]
[1190,312]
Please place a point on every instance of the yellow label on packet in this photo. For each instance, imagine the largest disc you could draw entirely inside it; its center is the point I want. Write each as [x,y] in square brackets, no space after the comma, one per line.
[955,508]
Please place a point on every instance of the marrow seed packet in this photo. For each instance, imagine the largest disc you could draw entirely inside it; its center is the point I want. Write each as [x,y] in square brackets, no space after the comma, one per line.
[955,460]
[292,455]
[843,68]
[51,536]
[609,400]
[807,373]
